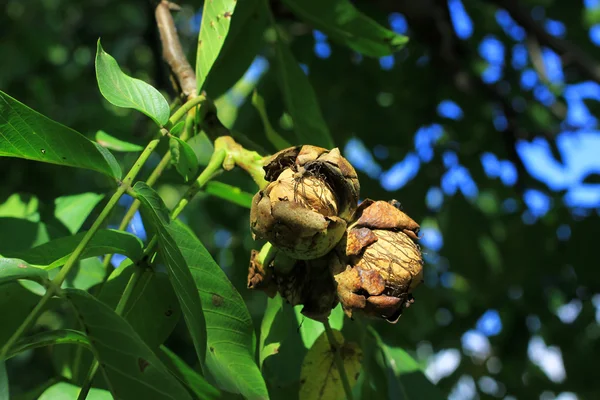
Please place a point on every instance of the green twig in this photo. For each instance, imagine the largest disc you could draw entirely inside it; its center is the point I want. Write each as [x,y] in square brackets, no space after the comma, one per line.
[54,286]
[335,347]
[183,110]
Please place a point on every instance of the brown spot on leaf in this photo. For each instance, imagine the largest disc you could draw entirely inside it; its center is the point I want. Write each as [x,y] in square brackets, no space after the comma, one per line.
[43,151]
[142,364]
[212,349]
[168,313]
[227,14]
[22,266]
[217,300]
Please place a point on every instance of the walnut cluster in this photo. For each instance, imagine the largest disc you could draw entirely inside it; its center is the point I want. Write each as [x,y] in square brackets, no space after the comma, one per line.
[324,247]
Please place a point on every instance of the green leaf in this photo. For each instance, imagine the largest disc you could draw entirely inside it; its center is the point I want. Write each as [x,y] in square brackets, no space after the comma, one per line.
[12,269]
[341,21]
[67,391]
[131,369]
[407,380]
[203,148]
[242,44]
[112,143]
[16,303]
[320,377]
[266,349]
[73,210]
[20,234]
[310,329]
[106,241]
[230,332]
[281,347]
[229,193]
[272,136]
[127,92]
[300,99]
[86,274]
[27,134]
[155,214]
[4,394]
[50,338]
[177,129]
[153,310]
[22,206]
[186,375]
[216,18]
[184,158]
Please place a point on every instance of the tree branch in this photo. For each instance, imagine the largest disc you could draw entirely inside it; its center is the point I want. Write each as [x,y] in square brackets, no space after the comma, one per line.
[172,50]
[563,47]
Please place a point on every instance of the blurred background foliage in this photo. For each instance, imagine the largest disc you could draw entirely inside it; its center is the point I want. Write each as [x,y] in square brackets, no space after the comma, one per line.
[483,127]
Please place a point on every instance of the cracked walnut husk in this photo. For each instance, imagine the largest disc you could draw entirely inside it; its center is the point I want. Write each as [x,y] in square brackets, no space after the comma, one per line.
[378,265]
[311,196]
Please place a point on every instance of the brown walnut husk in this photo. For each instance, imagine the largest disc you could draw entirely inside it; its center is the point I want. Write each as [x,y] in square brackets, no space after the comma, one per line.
[307,282]
[311,195]
[378,265]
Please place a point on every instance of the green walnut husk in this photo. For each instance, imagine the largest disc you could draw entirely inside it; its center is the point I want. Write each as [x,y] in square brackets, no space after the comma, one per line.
[378,265]
[311,196]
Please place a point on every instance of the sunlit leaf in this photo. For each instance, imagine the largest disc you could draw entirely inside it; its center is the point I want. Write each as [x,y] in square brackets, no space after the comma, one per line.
[129,366]
[67,391]
[340,20]
[73,210]
[21,206]
[112,143]
[300,99]
[56,252]
[216,18]
[156,215]
[28,134]
[243,43]
[190,378]
[184,158]
[320,377]
[310,329]
[231,340]
[12,269]
[229,193]
[127,92]
[281,347]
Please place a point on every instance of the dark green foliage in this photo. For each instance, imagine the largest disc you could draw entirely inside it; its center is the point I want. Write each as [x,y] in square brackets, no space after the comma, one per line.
[490,259]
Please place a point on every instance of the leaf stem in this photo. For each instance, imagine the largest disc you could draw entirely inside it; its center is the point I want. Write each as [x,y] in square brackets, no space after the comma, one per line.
[335,347]
[183,110]
[54,286]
